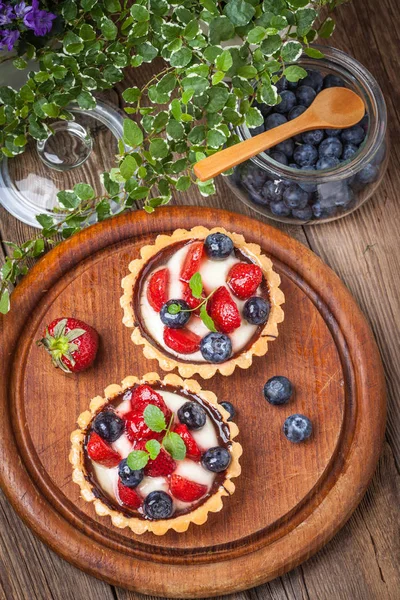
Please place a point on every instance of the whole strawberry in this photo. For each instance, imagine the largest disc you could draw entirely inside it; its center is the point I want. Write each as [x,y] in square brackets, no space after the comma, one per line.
[71,343]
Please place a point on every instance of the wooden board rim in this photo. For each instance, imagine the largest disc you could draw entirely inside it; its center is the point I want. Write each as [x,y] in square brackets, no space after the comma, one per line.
[265,562]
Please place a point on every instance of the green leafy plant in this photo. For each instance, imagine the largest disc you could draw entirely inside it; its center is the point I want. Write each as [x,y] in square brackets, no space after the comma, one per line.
[222,59]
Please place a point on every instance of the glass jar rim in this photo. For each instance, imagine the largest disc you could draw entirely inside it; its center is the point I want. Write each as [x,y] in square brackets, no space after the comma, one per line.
[375,104]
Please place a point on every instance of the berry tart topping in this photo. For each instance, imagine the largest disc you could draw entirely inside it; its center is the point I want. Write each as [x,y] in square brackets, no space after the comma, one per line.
[183,341]
[223,311]
[175,314]
[157,290]
[192,261]
[170,466]
[71,343]
[256,311]
[218,246]
[297,428]
[278,390]
[216,347]
[244,279]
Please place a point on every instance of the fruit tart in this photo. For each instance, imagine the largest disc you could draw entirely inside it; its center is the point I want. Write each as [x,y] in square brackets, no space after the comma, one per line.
[155,455]
[202,301]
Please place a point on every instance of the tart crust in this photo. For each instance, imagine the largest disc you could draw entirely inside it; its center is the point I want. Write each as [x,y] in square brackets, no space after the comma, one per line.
[205,370]
[181,523]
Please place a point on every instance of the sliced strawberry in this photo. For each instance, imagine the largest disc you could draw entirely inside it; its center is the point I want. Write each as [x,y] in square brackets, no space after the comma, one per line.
[99,451]
[143,395]
[128,496]
[190,299]
[157,290]
[244,279]
[223,310]
[186,490]
[162,466]
[192,450]
[192,260]
[136,428]
[183,341]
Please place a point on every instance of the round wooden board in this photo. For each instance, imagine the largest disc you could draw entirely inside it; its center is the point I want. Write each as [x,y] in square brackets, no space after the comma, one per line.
[290,499]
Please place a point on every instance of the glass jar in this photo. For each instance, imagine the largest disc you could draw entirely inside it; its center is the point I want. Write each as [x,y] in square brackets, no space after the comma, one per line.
[331,193]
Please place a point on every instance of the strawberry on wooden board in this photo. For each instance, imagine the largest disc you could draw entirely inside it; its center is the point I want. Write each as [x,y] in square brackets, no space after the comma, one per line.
[244,279]
[186,490]
[223,311]
[192,450]
[157,289]
[192,261]
[101,452]
[71,343]
[128,496]
[183,341]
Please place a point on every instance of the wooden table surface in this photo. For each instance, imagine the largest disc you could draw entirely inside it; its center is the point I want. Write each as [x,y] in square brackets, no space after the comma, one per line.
[363,561]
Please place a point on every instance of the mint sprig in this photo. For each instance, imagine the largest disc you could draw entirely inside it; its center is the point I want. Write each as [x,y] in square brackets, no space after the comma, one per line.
[137,460]
[174,444]
[153,447]
[196,287]
[154,418]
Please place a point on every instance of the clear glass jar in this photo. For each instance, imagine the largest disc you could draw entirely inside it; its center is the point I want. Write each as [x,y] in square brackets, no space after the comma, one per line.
[332,193]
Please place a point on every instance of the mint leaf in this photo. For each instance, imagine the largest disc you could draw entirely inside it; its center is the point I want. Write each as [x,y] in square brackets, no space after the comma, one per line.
[154,418]
[196,285]
[294,73]
[207,320]
[137,460]
[174,444]
[174,309]
[5,302]
[153,447]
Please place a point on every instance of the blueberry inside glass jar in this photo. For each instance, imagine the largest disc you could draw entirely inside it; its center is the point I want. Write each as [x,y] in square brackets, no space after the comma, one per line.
[320,175]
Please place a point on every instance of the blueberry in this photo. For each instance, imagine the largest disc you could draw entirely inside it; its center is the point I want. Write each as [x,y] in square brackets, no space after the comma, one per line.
[308,187]
[344,195]
[296,112]
[314,79]
[335,193]
[305,155]
[258,198]
[331,80]
[287,103]
[216,347]
[219,246]
[282,84]
[330,146]
[278,390]
[129,477]
[108,425]
[353,135]
[305,95]
[192,415]
[303,214]
[158,505]
[274,120]
[327,163]
[333,132]
[364,123]
[279,157]
[252,177]
[287,147]
[297,428]
[257,130]
[380,155]
[368,174]
[295,197]
[349,150]
[279,209]
[256,310]
[294,166]
[321,212]
[313,137]
[228,406]
[216,459]
[177,320]
[273,190]
[263,108]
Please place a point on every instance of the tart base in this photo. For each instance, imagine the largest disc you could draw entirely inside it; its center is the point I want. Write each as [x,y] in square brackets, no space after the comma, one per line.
[181,523]
[205,370]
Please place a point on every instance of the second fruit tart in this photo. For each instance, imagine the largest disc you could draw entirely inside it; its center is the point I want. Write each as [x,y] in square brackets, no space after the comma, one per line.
[202,301]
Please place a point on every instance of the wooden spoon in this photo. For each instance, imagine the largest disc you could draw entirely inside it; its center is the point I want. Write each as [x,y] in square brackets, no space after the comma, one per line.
[333,108]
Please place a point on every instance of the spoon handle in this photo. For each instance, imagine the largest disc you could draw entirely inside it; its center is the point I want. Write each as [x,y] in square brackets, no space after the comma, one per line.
[234,155]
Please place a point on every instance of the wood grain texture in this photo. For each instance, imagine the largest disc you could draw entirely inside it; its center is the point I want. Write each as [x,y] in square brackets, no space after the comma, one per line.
[286,505]
[362,561]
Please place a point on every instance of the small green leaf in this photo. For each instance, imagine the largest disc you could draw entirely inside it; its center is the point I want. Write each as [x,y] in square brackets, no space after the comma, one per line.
[183,183]
[291,51]
[313,53]
[248,72]
[174,445]
[133,135]
[50,109]
[158,148]
[153,447]
[196,285]
[220,29]
[5,302]
[26,94]
[84,191]
[103,210]
[215,138]
[140,13]
[68,199]
[45,221]
[224,61]
[174,309]
[256,35]
[72,43]
[207,320]
[128,166]
[239,12]
[294,73]
[181,58]
[271,45]
[131,95]
[327,28]
[154,418]
[254,117]
[137,460]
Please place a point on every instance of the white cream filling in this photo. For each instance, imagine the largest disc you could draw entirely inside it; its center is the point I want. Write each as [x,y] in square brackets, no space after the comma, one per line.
[214,274]
[206,437]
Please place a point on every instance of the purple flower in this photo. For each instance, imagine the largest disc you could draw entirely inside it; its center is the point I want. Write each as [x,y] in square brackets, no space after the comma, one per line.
[6,14]
[21,9]
[8,39]
[40,21]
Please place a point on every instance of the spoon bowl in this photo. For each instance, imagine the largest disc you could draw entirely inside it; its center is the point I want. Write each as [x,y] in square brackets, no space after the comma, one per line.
[333,108]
